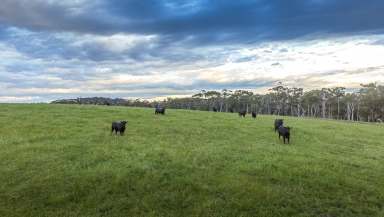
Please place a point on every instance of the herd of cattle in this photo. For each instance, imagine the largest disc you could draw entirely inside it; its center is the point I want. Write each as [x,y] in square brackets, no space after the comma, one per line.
[119,126]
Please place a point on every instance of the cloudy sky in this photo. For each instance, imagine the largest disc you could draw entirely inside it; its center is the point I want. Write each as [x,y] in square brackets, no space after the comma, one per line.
[54,49]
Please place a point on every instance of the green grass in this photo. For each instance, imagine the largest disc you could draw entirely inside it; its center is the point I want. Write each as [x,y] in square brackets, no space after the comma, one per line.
[60,160]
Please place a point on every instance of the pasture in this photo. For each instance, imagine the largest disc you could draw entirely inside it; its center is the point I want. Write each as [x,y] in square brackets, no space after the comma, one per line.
[61,160]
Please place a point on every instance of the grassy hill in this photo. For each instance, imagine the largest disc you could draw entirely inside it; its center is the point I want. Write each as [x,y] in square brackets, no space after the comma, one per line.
[60,160]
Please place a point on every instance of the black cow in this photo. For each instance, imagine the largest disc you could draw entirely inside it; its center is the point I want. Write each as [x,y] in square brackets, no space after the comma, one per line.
[214,109]
[254,114]
[242,113]
[278,123]
[284,132]
[231,110]
[160,110]
[118,126]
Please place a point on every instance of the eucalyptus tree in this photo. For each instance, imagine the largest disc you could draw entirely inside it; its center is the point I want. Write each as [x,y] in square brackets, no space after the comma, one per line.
[280,96]
[213,98]
[351,102]
[225,93]
[256,102]
[372,101]
[312,100]
[338,93]
[294,100]
[324,96]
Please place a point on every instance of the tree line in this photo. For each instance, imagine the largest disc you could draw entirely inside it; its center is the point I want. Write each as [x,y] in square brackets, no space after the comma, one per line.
[365,104]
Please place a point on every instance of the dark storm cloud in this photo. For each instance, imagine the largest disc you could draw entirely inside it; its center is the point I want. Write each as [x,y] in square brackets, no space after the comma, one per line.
[54,15]
[204,21]
[248,21]
[74,45]
[181,24]
[59,46]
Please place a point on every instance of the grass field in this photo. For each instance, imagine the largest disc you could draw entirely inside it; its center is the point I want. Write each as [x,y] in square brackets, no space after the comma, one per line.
[60,160]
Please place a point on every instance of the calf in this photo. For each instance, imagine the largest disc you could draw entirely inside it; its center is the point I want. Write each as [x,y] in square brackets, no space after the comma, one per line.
[254,114]
[242,113]
[159,110]
[118,126]
[278,123]
[284,132]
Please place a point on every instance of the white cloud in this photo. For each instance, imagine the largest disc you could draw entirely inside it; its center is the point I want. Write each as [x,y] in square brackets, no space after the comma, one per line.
[337,61]
[315,58]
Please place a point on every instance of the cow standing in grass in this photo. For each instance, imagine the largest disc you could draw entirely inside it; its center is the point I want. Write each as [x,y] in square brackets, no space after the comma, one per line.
[242,113]
[160,110]
[284,132]
[278,123]
[118,127]
[254,114]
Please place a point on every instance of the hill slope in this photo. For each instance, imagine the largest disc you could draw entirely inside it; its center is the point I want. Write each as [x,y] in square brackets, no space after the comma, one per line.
[60,160]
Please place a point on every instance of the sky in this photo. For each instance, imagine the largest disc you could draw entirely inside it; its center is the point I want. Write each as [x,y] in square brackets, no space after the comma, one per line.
[150,49]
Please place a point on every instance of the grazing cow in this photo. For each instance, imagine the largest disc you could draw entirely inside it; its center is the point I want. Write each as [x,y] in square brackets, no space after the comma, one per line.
[242,113]
[254,114]
[160,110]
[278,123]
[284,132]
[214,109]
[118,126]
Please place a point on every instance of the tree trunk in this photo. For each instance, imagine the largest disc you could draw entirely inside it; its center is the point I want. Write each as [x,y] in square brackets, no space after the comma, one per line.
[323,108]
[338,108]
[330,110]
[221,106]
[358,112]
[348,112]
[298,110]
